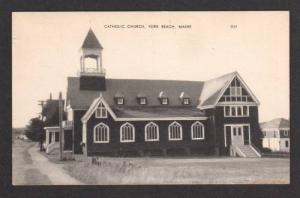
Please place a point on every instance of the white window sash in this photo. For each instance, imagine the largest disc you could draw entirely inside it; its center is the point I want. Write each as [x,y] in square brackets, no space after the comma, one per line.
[127,133]
[175,130]
[101,134]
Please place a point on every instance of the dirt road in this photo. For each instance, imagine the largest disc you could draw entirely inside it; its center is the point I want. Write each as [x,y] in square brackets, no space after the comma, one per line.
[30,167]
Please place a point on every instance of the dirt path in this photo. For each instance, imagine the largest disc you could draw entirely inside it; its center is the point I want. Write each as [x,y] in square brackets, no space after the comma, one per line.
[30,167]
[55,172]
[23,171]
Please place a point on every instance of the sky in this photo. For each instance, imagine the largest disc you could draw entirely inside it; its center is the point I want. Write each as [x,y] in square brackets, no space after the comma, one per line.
[46,50]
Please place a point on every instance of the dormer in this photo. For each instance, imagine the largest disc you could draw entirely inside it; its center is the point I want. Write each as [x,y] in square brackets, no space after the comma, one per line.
[119,98]
[185,98]
[92,73]
[163,98]
[141,98]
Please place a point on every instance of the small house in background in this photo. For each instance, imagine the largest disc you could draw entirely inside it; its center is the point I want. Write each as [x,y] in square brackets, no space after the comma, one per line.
[50,116]
[276,135]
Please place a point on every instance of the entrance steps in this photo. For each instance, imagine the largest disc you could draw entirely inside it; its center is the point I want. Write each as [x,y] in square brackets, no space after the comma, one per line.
[244,151]
[53,147]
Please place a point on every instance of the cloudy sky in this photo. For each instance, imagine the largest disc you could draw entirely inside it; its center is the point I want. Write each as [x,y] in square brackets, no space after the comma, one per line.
[256,44]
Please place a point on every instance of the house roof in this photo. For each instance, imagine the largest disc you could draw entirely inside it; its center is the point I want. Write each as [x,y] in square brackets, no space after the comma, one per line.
[91,41]
[201,93]
[131,88]
[276,123]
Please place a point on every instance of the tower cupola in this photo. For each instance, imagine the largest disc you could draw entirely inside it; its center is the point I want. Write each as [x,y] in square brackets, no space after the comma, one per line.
[92,73]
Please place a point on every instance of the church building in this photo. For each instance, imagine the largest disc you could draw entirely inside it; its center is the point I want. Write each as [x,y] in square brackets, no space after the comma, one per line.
[129,117]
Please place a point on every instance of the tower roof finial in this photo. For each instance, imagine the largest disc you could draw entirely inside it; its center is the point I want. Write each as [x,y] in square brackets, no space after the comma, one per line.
[91,41]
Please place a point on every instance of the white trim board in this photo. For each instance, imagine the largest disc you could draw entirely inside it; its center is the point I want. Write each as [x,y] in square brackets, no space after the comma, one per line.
[243,84]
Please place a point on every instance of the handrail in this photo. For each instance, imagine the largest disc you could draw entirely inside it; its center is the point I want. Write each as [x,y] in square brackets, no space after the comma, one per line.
[238,150]
[255,149]
[243,154]
[52,146]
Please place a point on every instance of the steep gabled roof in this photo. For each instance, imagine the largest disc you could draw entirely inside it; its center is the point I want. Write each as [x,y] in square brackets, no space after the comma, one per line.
[91,41]
[201,94]
[79,99]
[276,123]
[213,88]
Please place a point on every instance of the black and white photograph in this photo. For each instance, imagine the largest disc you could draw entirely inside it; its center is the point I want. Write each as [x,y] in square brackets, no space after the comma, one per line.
[150,98]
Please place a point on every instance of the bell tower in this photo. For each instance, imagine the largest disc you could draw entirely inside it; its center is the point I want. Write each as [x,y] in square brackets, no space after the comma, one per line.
[92,73]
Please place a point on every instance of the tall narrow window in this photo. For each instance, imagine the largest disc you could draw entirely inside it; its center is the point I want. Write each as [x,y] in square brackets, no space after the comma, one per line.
[151,132]
[227,110]
[101,133]
[127,133]
[286,143]
[175,131]
[101,111]
[246,110]
[239,111]
[233,111]
[197,130]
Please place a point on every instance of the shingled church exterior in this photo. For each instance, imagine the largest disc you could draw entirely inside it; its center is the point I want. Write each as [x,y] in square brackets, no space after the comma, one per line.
[127,117]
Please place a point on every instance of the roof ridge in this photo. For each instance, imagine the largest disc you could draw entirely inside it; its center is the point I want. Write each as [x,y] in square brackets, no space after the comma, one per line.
[228,74]
[134,79]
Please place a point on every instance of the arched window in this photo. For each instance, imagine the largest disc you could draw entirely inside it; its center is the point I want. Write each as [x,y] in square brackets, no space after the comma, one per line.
[175,131]
[127,133]
[197,130]
[101,133]
[151,132]
[101,111]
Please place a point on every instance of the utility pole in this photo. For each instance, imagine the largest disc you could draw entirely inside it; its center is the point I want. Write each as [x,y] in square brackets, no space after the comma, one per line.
[41,103]
[60,110]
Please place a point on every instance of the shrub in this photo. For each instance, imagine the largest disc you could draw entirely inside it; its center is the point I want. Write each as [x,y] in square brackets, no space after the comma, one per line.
[266,150]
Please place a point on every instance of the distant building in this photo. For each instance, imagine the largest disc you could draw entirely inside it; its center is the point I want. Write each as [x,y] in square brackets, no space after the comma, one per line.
[122,117]
[50,115]
[276,134]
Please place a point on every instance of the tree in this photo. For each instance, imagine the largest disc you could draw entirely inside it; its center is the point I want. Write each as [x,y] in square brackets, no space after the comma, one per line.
[35,131]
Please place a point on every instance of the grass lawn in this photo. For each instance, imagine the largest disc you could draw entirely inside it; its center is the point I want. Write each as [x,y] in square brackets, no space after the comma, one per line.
[224,170]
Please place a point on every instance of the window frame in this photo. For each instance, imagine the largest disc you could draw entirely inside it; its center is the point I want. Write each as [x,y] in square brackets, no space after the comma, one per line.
[100,109]
[184,101]
[107,135]
[143,99]
[133,132]
[285,132]
[157,132]
[164,101]
[235,108]
[192,131]
[120,101]
[169,132]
